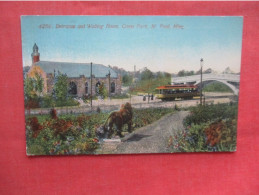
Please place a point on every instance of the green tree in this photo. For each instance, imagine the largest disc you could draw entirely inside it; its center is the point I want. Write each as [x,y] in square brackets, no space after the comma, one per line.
[61,87]
[127,79]
[28,88]
[159,75]
[146,74]
[33,87]
[38,84]
[185,73]
[181,73]
[103,91]
[191,72]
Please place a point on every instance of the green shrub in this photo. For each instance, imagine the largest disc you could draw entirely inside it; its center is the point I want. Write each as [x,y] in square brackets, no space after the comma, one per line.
[47,102]
[68,102]
[194,138]
[121,96]
[203,114]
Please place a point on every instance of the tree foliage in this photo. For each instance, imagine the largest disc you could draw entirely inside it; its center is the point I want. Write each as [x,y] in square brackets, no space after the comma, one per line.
[28,88]
[146,74]
[127,79]
[159,75]
[61,87]
[103,91]
[34,98]
[60,92]
[149,86]
[183,73]
[33,87]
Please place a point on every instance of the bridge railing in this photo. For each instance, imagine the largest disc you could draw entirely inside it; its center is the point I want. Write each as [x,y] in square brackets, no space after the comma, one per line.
[196,78]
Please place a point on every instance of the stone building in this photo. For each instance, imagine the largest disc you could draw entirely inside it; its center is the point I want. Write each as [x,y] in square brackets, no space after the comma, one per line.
[79,76]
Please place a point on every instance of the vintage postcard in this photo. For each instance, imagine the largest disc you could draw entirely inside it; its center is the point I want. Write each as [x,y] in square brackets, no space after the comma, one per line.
[130,84]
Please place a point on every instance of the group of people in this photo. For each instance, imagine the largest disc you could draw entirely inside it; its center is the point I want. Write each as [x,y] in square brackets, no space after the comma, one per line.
[149,96]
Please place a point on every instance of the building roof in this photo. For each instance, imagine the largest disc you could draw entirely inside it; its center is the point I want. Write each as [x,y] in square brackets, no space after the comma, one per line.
[76,69]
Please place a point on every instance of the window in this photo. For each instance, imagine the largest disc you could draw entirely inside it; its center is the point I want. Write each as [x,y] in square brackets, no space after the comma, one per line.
[72,88]
[86,88]
[97,87]
[112,87]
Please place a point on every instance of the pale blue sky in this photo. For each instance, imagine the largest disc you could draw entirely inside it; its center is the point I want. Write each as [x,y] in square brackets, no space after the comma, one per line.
[216,39]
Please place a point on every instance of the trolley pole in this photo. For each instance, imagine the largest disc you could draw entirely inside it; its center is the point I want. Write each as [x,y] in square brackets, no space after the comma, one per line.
[201,62]
[91,88]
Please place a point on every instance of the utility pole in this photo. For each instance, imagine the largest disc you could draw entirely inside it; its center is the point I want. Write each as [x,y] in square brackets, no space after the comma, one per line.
[55,81]
[134,72]
[201,63]
[130,89]
[91,94]
[149,88]
[109,83]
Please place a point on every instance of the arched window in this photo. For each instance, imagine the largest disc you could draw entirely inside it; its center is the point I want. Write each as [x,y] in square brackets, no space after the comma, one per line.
[97,87]
[72,88]
[112,87]
[86,87]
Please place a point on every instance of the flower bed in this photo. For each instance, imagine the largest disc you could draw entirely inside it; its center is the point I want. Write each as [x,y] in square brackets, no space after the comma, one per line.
[207,128]
[76,134]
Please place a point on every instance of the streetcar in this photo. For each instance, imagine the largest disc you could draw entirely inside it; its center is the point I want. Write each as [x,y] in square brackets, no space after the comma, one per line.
[172,92]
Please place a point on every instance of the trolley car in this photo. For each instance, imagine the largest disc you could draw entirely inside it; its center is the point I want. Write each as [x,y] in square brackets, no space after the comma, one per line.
[171,92]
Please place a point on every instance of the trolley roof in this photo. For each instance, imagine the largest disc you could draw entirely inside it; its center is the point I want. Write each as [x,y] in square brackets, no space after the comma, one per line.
[176,86]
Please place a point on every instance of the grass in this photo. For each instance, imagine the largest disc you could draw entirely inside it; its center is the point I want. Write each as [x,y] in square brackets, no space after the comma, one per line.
[217,87]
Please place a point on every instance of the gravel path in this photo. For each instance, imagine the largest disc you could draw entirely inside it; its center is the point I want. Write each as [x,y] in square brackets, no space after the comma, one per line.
[152,138]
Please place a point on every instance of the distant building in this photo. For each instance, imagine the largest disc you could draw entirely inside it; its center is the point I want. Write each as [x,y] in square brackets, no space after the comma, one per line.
[78,75]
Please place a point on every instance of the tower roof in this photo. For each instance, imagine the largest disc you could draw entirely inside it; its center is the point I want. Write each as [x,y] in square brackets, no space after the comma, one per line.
[35,47]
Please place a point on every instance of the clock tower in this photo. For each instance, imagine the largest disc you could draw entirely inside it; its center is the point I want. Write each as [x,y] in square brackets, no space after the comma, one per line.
[35,54]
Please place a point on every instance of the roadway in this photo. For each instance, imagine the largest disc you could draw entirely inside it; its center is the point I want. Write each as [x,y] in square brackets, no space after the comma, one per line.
[137,102]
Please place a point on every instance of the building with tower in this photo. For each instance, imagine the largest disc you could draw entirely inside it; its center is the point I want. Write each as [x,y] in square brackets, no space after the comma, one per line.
[79,76]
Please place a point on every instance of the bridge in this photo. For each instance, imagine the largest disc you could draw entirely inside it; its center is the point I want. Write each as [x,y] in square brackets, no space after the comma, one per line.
[230,80]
